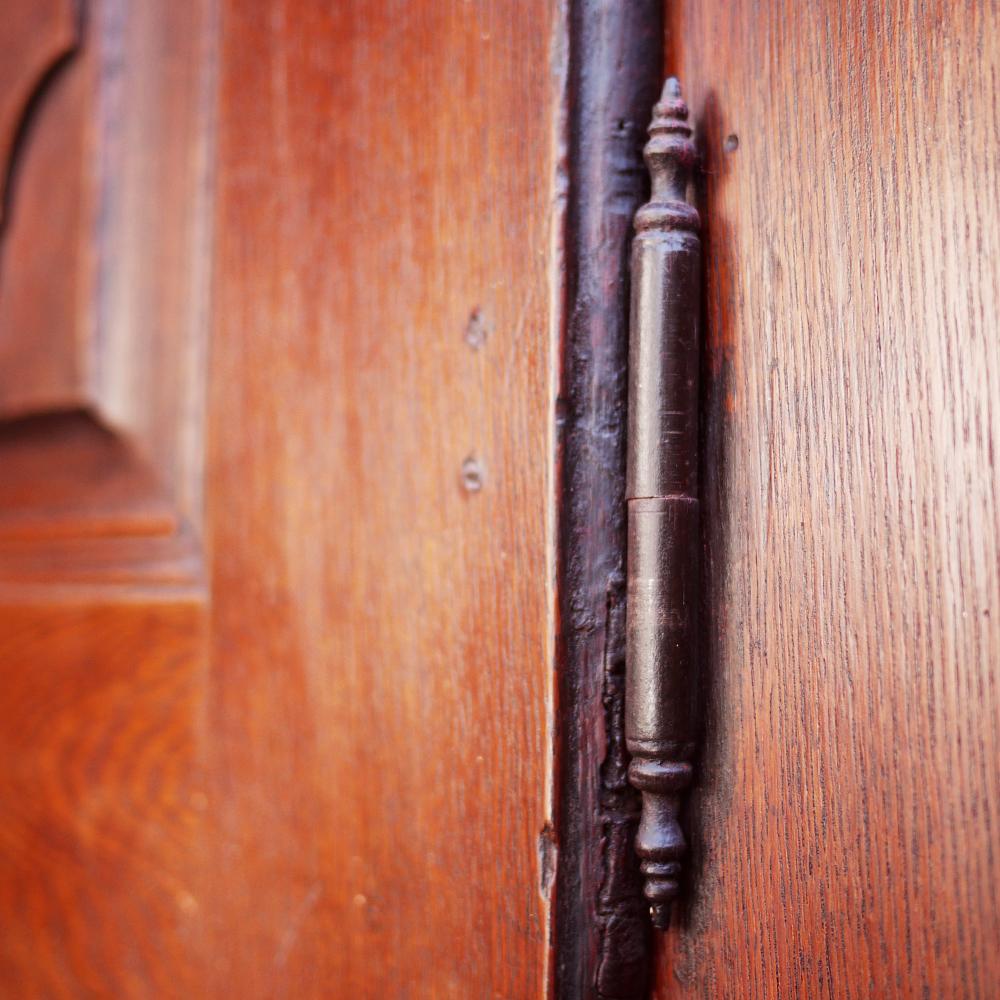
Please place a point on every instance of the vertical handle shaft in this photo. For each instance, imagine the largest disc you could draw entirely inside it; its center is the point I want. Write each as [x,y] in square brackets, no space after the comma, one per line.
[662,497]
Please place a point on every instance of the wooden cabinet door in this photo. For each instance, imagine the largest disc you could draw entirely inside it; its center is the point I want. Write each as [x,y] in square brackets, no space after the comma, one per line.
[277,618]
[847,814]
[312,402]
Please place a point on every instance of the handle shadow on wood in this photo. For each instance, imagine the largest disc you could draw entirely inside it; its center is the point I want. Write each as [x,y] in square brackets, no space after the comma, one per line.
[662,497]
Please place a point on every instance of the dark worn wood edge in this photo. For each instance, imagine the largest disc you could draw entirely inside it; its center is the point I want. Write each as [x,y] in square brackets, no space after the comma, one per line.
[601,930]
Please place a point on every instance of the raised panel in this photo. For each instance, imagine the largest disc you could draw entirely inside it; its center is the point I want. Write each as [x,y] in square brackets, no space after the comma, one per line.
[103,798]
[103,305]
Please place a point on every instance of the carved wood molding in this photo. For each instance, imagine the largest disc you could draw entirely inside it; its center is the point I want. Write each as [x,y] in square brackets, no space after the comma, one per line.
[107,131]
[37,35]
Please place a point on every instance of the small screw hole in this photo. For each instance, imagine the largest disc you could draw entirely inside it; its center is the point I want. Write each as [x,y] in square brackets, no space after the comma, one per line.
[476,329]
[472,475]
[731,143]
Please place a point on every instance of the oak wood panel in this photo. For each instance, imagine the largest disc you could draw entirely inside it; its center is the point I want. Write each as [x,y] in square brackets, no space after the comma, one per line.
[379,493]
[102,801]
[846,817]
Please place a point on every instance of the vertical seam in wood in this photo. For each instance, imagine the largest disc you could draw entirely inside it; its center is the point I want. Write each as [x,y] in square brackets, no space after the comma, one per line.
[601,932]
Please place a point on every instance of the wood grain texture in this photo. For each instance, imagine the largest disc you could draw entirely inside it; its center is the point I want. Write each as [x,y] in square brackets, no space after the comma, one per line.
[102,608]
[379,498]
[847,807]
[102,803]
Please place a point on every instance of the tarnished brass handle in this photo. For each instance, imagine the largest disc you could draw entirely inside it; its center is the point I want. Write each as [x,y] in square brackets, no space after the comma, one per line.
[662,496]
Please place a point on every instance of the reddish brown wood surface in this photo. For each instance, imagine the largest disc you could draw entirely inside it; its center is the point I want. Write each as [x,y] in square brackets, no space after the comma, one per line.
[102,608]
[104,254]
[81,508]
[380,496]
[36,36]
[848,806]
[147,321]
[335,778]
[46,126]
[64,474]
[103,300]
[355,799]
[102,804]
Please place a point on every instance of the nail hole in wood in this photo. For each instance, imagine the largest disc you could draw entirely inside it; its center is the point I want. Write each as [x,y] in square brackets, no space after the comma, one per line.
[472,475]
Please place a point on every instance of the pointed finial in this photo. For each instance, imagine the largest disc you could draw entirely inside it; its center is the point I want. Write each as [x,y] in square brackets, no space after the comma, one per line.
[671,103]
[670,155]
[671,111]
